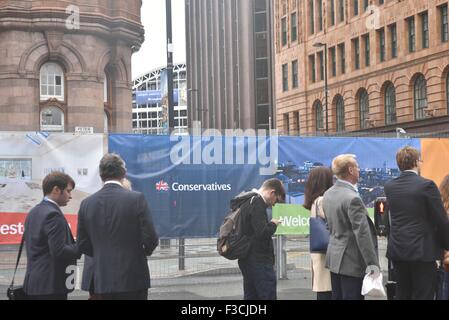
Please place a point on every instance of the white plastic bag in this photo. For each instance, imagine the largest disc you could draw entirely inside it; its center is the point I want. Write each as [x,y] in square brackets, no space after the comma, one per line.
[373,286]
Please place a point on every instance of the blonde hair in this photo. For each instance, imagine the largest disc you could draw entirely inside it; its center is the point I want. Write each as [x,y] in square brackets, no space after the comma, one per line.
[341,164]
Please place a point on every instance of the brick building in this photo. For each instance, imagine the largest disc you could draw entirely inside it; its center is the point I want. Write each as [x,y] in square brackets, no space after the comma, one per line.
[57,74]
[387,66]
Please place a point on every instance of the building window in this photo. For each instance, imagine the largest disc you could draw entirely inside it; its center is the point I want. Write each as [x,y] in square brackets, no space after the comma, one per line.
[365,5]
[390,104]
[367,50]
[394,40]
[355,7]
[364,109]
[342,52]
[284,31]
[356,46]
[312,16]
[342,10]
[381,35]
[312,68]
[420,97]
[340,114]
[286,124]
[444,24]
[332,20]
[425,29]
[333,61]
[321,61]
[319,123]
[411,34]
[52,120]
[294,24]
[295,74]
[381,2]
[320,15]
[51,82]
[285,77]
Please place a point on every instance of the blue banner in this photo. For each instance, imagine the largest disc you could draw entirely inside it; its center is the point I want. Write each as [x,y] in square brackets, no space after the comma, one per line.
[190,181]
[153,97]
[376,158]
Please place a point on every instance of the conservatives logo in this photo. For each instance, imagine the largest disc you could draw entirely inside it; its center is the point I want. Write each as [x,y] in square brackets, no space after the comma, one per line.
[162,186]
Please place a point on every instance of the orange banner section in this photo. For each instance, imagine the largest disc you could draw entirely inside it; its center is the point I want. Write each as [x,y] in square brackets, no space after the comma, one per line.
[435,154]
[12,226]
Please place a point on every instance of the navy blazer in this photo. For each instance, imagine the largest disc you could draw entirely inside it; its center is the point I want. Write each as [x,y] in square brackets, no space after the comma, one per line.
[50,250]
[116,229]
[419,227]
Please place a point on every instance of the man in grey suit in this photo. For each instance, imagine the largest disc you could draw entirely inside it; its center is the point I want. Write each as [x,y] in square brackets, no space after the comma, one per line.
[115,228]
[352,250]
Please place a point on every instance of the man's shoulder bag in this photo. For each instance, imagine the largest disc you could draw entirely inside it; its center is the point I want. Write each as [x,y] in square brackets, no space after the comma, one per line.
[16,292]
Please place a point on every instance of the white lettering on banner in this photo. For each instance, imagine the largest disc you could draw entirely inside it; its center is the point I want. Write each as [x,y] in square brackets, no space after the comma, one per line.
[259,149]
[11,229]
[84,130]
[294,221]
[201,187]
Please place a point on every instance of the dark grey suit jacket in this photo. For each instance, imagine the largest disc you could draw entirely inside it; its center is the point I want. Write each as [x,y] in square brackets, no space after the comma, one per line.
[50,250]
[419,227]
[353,241]
[116,229]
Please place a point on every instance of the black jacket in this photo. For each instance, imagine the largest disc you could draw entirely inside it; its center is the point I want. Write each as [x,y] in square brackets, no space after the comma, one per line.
[419,224]
[256,226]
[50,249]
[115,227]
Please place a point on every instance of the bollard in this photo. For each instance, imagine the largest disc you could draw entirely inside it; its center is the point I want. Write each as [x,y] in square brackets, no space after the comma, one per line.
[281,258]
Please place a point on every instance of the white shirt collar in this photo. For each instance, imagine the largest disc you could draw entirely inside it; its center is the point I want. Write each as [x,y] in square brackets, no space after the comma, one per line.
[49,200]
[113,182]
[414,171]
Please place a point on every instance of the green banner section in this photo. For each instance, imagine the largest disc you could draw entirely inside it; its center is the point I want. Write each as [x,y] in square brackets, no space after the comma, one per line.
[295,219]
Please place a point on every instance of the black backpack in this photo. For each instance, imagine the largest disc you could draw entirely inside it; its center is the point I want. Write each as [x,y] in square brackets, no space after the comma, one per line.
[232,243]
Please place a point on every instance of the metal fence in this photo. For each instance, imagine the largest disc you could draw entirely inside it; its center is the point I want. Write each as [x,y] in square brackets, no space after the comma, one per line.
[186,257]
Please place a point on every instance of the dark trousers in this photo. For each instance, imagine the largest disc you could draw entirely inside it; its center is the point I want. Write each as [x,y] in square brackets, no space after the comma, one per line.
[442,284]
[48,297]
[134,295]
[415,280]
[326,295]
[346,287]
[259,280]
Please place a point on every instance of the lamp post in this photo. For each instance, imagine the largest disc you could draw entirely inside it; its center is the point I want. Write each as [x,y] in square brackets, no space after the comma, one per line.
[320,45]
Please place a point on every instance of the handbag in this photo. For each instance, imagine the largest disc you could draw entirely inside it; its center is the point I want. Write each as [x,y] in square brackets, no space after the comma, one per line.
[16,292]
[373,286]
[319,235]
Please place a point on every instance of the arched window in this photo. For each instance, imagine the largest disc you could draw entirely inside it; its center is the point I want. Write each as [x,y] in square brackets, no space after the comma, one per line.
[340,114]
[390,104]
[420,97]
[319,125]
[364,109]
[52,119]
[51,82]
[105,88]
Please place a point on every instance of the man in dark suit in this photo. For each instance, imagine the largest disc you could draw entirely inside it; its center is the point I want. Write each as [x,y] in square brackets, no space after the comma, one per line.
[50,247]
[115,228]
[352,249]
[418,229]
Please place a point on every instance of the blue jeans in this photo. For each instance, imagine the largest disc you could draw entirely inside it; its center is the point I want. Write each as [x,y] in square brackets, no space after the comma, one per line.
[442,284]
[259,280]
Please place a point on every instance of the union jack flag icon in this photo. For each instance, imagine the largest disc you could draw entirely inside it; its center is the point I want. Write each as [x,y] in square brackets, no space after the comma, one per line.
[162,186]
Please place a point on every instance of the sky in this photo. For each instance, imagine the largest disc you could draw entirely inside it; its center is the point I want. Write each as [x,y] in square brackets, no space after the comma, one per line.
[152,54]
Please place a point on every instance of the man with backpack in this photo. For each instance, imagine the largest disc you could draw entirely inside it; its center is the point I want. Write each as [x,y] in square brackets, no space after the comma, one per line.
[259,278]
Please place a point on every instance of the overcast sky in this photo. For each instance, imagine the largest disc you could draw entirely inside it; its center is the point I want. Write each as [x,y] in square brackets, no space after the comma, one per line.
[152,54]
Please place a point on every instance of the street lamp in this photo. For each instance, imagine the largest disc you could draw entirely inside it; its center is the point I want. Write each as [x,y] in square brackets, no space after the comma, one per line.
[320,45]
